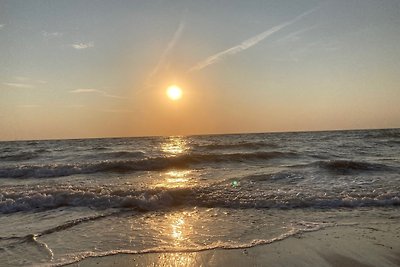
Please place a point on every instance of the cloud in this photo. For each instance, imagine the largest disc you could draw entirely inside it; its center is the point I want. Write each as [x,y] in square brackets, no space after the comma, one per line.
[2,26]
[80,46]
[24,82]
[95,91]
[77,91]
[294,36]
[51,35]
[171,44]
[246,44]
[19,85]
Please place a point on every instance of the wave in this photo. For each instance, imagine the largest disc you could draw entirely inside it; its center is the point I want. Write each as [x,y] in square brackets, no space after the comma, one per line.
[235,157]
[32,143]
[295,230]
[285,177]
[13,241]
[380,134]
[121,154]
[166,198]
[46,199]
[395,142]
[100,148]
[242,145]
[348,166]
[6,149]
[123,166]
[21,156]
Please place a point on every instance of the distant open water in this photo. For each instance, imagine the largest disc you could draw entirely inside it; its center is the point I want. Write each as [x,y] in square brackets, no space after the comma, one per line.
[64,200]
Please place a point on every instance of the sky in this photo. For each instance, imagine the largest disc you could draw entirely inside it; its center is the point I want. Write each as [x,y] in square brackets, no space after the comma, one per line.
[78,69]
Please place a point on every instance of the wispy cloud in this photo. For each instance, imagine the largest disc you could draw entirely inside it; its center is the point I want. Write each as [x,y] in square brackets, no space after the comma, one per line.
[80,46]
[2,26]
[51,35]
[246,44]
[294,36]
[19,85]
[24,82]
[95,91]
[77,91]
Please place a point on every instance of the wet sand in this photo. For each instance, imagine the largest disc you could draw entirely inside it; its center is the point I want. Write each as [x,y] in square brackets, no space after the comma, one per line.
[360,245]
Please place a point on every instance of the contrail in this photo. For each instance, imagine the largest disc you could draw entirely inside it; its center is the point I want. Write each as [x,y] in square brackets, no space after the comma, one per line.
[168,49]
[246,44]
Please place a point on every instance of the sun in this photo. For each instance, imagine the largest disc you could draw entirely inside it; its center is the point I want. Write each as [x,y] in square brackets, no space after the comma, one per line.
[174,92]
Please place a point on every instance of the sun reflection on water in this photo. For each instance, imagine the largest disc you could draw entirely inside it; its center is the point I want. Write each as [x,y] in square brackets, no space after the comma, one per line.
[177,176]
[177,227]
[176,179]
[174,145]
[180,229]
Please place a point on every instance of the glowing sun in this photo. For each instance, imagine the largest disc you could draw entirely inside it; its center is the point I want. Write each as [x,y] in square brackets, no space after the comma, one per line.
[174,92]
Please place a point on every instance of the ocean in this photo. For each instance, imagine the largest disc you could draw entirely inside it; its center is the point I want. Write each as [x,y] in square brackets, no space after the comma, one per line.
[62,201]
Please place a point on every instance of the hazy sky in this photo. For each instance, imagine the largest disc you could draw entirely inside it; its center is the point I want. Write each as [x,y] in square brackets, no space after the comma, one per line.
[72,69]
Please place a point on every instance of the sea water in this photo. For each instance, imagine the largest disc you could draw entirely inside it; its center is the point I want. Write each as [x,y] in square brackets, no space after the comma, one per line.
[64,200]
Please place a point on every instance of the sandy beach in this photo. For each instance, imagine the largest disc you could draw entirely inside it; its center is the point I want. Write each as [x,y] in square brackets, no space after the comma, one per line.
[372,244]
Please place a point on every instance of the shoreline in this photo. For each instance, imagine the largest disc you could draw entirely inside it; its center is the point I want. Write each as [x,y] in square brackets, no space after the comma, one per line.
[358,245]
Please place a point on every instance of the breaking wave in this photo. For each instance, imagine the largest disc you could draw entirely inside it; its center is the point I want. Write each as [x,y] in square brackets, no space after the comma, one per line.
[148,164]
[296,229]
[210,197]
[94,198]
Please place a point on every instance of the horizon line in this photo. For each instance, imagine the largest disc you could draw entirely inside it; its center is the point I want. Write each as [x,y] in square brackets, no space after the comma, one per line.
[204,134]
